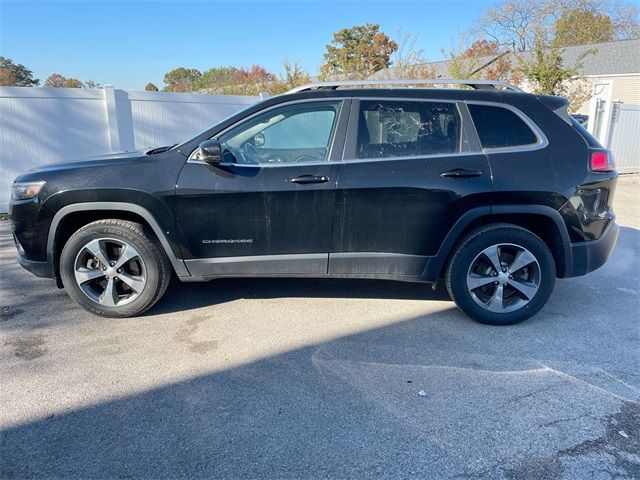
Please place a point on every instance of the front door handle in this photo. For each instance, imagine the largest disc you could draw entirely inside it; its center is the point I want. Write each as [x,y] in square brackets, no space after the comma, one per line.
[461,173]
[306,179]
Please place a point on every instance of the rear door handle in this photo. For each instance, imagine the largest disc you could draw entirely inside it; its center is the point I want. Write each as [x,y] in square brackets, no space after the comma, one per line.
[306,179]
[461,173]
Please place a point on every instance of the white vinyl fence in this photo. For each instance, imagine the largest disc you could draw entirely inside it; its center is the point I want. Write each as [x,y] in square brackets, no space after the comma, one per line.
[44,125]
[617,126]
[624,137]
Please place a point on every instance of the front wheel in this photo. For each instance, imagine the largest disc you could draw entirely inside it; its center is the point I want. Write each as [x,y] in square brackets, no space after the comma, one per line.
[114,268]
[501,274]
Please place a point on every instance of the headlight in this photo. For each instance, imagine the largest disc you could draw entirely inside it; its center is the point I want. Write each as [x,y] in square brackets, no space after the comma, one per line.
[25,190]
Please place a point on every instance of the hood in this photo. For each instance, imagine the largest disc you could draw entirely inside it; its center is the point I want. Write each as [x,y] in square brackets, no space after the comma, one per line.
[90,161]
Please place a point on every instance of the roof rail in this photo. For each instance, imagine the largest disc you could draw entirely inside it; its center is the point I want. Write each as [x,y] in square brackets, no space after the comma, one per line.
[475,84]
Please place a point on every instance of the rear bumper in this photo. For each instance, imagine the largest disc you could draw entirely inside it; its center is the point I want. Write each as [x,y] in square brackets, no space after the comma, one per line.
[40,269]
[589,256]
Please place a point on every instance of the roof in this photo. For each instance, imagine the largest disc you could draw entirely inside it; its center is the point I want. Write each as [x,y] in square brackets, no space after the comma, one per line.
[610,58]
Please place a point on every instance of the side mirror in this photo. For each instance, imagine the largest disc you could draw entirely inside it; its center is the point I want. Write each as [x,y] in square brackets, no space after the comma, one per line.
[259,140]
[210,152]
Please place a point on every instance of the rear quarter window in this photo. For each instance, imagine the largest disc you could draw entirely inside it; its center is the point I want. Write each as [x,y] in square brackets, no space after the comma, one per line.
[499,127]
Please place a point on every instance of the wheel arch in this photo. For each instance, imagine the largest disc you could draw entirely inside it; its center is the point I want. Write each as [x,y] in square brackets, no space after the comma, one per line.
[71,217]
[543,221]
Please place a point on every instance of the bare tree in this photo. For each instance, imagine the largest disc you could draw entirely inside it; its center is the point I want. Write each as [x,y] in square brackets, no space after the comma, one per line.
[55,80]
[408,61]
[481,59]
[513,23]
[626,21]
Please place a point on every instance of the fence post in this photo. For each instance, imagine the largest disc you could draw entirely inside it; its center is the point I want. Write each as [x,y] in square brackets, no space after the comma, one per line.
[119,119]
[600,111]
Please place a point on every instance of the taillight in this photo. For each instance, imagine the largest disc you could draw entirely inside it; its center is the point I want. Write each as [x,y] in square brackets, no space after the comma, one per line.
[602,161]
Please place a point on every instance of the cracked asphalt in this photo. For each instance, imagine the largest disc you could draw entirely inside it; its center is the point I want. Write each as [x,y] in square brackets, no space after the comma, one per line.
[324,379]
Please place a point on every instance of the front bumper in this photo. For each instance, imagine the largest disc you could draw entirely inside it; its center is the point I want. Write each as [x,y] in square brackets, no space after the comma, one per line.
[40,269]
[589,256]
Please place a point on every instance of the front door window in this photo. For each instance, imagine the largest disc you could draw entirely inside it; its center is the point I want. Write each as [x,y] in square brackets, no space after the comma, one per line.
[298,133]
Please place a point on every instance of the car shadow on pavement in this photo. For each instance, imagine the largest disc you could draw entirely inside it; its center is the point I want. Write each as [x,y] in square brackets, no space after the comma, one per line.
[181,296]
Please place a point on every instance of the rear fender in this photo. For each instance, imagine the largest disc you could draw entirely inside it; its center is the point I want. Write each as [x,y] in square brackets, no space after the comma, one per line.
[437,263]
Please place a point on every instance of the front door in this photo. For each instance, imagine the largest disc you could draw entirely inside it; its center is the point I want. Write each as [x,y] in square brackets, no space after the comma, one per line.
[268,208]
[410,170]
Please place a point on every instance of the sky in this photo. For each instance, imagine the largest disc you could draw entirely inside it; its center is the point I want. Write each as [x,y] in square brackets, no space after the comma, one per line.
[128,44]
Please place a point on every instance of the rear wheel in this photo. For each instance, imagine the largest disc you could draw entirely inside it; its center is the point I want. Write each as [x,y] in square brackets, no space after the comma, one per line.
[501,274]
[114,268]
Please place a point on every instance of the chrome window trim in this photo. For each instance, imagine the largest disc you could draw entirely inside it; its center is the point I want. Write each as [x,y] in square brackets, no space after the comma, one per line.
[413,157]
[340,100]
[542,142]
[268,165]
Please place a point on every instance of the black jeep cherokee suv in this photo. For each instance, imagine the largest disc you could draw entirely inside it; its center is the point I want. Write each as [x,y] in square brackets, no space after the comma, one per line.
[494,192]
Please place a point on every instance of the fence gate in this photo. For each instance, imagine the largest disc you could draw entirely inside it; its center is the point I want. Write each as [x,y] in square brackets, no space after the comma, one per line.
[624,137]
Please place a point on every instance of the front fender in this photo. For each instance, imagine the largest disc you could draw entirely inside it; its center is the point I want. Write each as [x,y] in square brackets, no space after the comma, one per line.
[162,226]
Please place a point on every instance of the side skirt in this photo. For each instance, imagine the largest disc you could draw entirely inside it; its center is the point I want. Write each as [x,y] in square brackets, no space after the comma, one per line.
[380,276]
[259,265]
[372,265]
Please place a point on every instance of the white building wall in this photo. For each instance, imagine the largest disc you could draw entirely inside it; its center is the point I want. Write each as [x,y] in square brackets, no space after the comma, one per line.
[45,125]
[624,88]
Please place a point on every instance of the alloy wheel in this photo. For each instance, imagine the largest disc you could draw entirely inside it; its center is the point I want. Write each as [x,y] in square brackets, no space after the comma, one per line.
[110,272]
[503,278]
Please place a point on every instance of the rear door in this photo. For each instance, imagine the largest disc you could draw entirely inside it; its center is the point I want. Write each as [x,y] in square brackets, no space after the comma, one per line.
[411,169]
[269,207]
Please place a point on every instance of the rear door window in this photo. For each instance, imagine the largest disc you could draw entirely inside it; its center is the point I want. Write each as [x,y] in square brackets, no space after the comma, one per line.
[499,127]
[407,128]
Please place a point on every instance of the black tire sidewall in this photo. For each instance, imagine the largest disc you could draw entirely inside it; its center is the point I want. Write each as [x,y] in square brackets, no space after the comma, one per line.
[472,246]
[126,235]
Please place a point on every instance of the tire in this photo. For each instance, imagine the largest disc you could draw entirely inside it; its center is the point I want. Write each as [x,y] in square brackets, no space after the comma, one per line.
[501,297]
[114,268]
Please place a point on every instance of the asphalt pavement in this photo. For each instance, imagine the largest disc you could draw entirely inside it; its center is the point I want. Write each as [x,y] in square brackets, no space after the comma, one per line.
[289,378]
